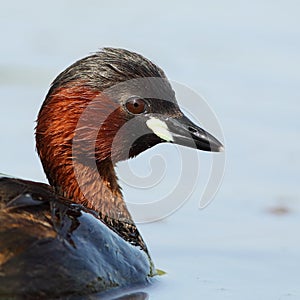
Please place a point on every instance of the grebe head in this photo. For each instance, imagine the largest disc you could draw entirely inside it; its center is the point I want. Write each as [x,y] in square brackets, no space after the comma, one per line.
[108,107]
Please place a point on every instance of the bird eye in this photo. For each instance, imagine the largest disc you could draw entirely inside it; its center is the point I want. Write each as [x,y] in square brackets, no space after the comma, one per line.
[136,105]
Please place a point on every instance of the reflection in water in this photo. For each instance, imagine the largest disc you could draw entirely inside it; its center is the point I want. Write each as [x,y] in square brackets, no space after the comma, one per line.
[134,296]
[125,295]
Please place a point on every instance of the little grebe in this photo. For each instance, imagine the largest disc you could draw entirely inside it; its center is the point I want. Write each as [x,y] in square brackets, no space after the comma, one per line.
[76,236]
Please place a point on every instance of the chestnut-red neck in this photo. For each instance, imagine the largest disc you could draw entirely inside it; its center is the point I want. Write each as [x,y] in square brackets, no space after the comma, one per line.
[77,166]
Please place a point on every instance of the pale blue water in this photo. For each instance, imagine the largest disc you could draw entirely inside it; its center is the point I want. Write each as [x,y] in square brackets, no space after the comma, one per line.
[244,58]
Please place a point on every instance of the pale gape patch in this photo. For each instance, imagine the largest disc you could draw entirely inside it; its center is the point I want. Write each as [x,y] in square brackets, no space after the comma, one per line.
[160,128]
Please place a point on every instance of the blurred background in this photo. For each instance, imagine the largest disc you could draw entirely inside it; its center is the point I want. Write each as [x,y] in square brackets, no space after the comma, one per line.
[244,58]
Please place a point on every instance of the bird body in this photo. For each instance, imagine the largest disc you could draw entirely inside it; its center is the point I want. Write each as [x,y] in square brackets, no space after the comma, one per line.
[76,235]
